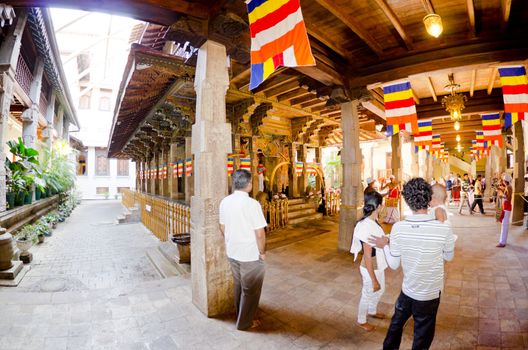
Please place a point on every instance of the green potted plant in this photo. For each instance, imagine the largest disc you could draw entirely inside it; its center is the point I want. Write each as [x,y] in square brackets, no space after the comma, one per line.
[18,186]
[42,228]
[24,239]
[52,219]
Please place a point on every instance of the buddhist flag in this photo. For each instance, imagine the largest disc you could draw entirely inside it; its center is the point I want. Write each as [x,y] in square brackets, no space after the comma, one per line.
[180,168]
[245,163]
[491,127]
[436,145]
[230,165]
[424,138]
[278,38]
[400,110]
[174,169]
[515,93]
[298,168]
[188,167]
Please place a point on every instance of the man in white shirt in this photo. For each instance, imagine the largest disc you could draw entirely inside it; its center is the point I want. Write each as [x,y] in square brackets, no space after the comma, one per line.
[242,224]
[421,244]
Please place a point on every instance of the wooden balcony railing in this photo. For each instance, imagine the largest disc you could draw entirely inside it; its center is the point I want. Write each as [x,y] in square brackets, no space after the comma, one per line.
[332,202]
[23,75]
[276,213]
[43,105]
[163,217]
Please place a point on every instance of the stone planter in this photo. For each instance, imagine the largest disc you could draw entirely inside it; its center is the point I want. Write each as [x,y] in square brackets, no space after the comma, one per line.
[183,242]
[41,238]
[24,246]
[6,250]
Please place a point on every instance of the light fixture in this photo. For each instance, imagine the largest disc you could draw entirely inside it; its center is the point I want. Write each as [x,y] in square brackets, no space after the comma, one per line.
[433,24]
[459,148]
[458,138]
[454,103]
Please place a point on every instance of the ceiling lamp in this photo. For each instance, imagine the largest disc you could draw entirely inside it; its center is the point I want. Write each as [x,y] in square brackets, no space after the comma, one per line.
[433,24]
[459,148]
[458,138]
[454,103]
[457,125]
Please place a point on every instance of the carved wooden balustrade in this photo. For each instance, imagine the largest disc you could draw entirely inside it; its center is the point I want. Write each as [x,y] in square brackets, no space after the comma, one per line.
[163,217]
[276,213]
[23,75]
[333,202]
[43,104]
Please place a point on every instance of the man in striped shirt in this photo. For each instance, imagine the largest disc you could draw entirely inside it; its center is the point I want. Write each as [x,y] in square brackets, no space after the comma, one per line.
[421,244]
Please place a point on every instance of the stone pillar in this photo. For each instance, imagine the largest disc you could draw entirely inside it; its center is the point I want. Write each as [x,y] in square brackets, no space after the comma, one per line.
[165,159]
[293,181]
[430,168]
[47,133]
[396,146]
[488,175]
[351,191]
[189,180]
[519,169]
[66,129]
[254,164]
[304,176]
[157,181]
[415,166]
[59,125]
[318,160]
[473,169]
[152,166]
[212,290]
[422,164]
[30,117]
[173,181]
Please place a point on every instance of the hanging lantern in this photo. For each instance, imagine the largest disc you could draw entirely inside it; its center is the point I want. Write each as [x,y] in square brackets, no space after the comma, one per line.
[433,24]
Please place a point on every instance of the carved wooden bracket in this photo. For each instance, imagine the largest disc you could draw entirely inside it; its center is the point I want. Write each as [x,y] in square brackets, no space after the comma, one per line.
[258,115]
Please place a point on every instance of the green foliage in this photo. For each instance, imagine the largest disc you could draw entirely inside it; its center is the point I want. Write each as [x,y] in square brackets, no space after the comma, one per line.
[26,233]
[51,218]
[333,171]
[56,170]
[41,228]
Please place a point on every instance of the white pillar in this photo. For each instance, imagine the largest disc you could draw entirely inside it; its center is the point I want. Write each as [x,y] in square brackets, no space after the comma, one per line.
[212,290]
[352,190]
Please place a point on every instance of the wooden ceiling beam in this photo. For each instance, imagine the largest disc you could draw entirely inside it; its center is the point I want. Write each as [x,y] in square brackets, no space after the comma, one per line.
[472,83]
[506,8]
[471,15]
[303,99]
[389,13]
[317,34]
[491,80]
[431,88]
[444,58]
[288,86]
[428,6]
[293,94]
[351,23]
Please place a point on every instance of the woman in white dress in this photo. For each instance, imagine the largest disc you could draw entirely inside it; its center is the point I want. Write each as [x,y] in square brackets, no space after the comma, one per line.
[373,263]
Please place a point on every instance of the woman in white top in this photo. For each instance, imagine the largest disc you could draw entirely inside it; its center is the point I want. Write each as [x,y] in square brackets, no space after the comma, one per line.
[373,263]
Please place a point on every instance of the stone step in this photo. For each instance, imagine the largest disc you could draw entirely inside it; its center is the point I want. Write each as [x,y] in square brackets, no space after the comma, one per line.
[315,216]
[294,201]
[164,267]
[300,213]
[301,206]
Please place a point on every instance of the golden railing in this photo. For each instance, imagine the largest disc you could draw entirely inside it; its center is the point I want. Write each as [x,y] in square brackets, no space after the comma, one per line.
[276,213]
[333,202]
[164,218]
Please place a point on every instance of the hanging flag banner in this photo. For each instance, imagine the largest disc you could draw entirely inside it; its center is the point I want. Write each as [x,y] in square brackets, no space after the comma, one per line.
[188,167]
[491,126]
[164,171]
[474,150]
[230,165]
[311,170]
[424,138]
[245,164]
[174,167]
[298,168]
[400,110]
[278,38]
[180,168]
[436,145]
[515,93]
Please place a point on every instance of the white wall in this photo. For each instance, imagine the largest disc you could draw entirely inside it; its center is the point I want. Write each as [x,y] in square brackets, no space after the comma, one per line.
[88,183]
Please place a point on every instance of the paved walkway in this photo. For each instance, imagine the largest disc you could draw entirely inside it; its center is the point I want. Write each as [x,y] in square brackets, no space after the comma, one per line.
[309,299]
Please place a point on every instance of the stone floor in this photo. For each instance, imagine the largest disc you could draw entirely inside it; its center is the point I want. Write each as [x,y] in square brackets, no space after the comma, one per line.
[309,299]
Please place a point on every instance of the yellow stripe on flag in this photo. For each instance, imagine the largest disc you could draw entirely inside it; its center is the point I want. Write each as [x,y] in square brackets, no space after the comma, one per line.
[269,67]
[265,9]
[514,80]
[493,122]
[398,96]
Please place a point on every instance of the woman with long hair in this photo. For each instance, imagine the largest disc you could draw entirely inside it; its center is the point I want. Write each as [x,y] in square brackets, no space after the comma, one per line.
[373,263]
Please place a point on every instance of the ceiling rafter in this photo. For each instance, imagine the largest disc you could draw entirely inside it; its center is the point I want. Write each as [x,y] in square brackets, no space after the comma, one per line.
[492,80]
[472,83]
[389,13]
[471,15]
[431,88]
[506,9]
[352,24]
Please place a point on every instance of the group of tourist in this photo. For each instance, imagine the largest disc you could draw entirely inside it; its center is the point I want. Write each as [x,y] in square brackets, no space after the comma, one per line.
[420,244]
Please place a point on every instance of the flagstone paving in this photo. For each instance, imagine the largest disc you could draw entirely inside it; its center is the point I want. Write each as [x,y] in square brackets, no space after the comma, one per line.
[309,299]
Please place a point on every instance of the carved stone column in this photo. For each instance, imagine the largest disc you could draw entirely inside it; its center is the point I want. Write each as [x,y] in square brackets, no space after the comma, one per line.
[304,176]
[488,174]
[165,159]
[173,181]
[293,182]
[519,168]
[254,164]
[430,168]
[212,290]
[318,160]
[50,112]
[30,116]
[396,146]
[351,191]
[422,164]
[59,121]
[415,167]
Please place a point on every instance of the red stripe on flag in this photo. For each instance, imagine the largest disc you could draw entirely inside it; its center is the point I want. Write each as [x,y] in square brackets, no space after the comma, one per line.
[278,60]
[516,107]
[514,89]
[274,18]
[490,127]
[399,104]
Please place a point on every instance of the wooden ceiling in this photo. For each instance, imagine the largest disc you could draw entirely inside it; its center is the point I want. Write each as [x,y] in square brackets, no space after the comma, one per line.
[356,43]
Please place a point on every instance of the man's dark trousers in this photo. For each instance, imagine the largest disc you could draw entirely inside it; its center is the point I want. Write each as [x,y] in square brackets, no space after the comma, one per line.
[248,277]
[477,201]
[424,315]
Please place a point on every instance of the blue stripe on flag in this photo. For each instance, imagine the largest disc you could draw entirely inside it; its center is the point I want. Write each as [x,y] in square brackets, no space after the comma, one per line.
[423,124]
[492,116]
[397,88]
[392,130]
[512,71]
[257,75]
[254,4]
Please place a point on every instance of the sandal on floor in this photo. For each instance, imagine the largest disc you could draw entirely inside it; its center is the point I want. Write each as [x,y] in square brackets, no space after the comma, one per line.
[366,326]
[378,315]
